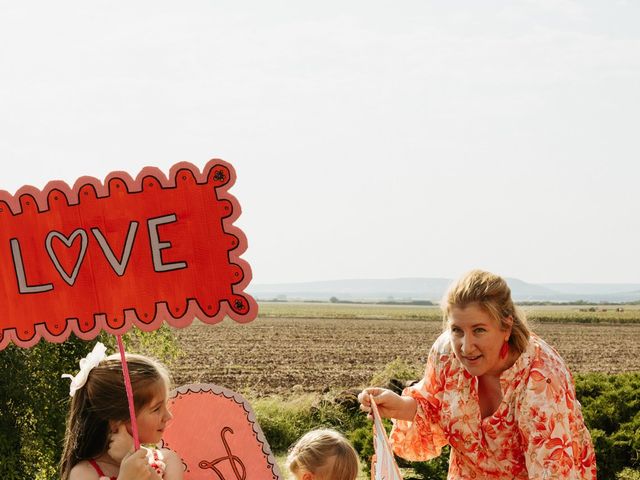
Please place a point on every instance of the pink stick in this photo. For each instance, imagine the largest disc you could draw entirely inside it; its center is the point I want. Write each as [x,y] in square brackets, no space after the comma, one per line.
[127,386]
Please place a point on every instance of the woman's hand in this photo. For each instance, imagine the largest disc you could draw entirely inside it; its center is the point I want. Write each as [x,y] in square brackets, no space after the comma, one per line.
[135,466]
[390,404]
[120,443]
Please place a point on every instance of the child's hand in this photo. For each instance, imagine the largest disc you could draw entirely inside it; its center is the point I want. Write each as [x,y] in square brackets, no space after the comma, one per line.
[120,443]
[135,466]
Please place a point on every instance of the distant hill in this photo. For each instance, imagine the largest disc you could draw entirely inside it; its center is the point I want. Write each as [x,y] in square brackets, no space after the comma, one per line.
[596,292]
[432,289]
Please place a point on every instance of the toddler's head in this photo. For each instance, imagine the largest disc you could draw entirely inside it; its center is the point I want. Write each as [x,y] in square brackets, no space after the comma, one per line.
[323,454]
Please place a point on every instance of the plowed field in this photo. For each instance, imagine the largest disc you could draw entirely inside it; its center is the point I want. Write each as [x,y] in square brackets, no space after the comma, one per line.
[280,355]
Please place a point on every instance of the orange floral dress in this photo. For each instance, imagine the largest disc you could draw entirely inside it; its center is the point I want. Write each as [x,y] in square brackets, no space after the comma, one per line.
[537,432]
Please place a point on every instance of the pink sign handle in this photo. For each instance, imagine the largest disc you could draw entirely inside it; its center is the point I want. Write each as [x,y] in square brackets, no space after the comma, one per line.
[127,386]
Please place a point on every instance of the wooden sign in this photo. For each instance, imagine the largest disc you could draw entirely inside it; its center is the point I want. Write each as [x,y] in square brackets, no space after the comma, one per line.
[130,251]
[214,431]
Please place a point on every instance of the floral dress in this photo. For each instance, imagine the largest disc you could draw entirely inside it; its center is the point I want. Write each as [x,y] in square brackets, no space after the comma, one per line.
[537,432]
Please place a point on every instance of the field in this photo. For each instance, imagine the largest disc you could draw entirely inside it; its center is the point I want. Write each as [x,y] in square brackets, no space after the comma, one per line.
[315,347]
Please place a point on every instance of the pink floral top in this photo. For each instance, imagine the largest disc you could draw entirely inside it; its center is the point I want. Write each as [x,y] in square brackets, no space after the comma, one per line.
[537,432]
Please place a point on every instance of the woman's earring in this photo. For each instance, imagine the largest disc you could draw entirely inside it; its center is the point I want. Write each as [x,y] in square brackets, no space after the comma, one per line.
[504,350]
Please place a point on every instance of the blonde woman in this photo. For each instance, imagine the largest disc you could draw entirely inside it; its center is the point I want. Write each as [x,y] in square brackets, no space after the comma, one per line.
[323,454]
[500,396]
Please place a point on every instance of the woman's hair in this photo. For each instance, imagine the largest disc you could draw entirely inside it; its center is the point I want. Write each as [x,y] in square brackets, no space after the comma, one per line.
[326,454]
[104,398]
[492,294]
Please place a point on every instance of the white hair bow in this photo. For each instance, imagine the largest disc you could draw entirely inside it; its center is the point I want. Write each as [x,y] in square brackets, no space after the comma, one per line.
[86,365]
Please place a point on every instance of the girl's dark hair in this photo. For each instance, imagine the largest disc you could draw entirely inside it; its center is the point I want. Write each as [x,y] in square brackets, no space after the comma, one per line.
[103,398]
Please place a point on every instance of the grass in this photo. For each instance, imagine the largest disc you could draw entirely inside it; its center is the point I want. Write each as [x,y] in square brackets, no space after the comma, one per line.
[539,313]
[347,311]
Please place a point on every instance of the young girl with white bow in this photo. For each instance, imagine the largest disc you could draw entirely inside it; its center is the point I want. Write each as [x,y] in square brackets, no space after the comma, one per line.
[98,443]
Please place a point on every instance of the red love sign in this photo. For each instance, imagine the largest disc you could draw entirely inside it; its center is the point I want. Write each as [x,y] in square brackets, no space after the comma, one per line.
[106,256]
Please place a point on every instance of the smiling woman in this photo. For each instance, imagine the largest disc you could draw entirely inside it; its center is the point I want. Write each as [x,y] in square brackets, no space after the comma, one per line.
[500,396]
[479,341]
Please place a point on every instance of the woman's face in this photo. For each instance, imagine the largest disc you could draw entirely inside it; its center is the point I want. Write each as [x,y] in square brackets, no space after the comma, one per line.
[476,339]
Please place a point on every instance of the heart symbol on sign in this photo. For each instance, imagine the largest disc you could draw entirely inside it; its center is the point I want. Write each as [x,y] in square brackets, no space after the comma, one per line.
[68,241]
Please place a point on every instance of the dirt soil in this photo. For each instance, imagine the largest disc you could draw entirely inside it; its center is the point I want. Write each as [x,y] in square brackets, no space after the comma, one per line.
[280,355]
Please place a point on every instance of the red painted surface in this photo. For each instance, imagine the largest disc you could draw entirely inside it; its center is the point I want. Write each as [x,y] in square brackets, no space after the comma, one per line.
[215,432]
[65,267]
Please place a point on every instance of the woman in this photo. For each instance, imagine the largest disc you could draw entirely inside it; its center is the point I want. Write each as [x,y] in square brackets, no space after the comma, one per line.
[500,396]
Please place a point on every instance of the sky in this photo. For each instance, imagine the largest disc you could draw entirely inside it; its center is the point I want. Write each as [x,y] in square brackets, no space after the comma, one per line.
[370,139]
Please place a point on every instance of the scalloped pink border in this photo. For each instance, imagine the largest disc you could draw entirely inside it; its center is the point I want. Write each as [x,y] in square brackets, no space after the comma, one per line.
[240,400]
[162,314]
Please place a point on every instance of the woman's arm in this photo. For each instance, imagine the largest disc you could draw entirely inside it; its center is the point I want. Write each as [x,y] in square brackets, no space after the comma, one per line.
[418,432]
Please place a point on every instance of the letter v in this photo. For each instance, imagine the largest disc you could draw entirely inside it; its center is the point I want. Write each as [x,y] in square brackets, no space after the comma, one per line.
[118,266]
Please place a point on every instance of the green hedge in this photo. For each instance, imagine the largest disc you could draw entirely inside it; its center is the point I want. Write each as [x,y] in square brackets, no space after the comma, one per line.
[611,409]
[34,402]
[610,404]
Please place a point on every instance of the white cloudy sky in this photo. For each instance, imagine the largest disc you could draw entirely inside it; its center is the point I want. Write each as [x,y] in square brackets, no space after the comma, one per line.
[371,139]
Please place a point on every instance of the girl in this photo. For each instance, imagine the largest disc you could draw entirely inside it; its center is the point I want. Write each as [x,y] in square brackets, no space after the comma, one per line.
[98,445]
[323,454]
